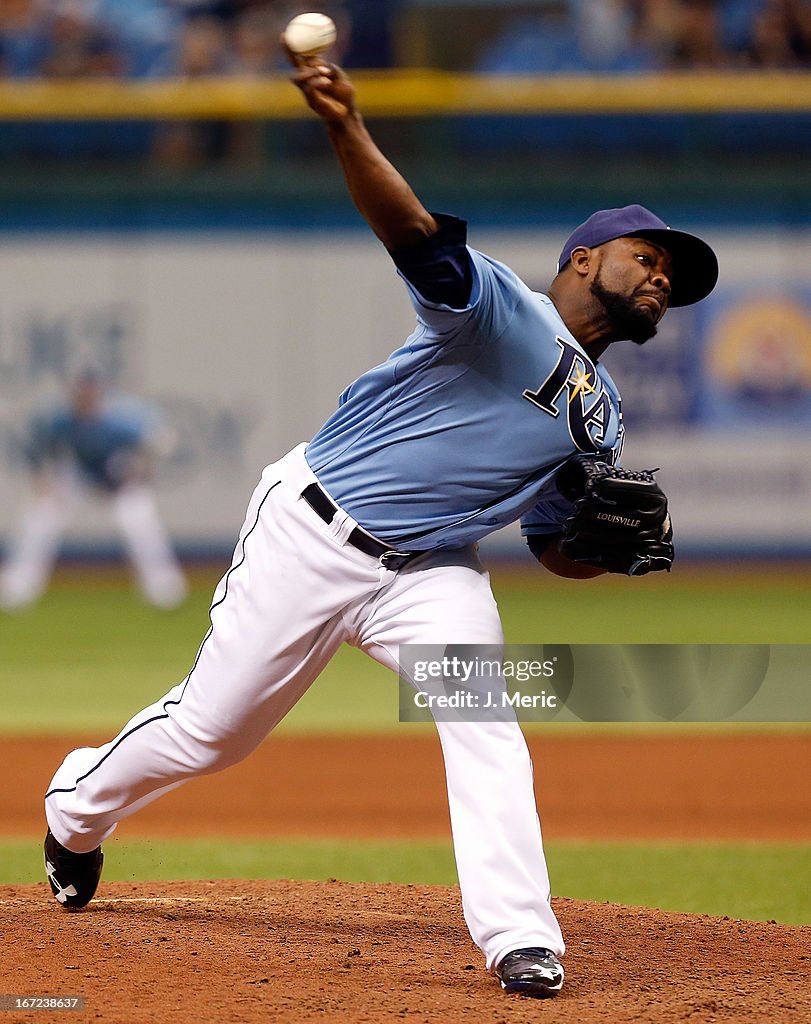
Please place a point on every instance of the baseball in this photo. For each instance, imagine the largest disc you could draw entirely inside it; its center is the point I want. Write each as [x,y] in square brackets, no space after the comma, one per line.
[310,34]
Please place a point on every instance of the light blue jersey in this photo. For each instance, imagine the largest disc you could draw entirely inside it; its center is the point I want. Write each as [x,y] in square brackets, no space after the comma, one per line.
[100,446]
[460,431]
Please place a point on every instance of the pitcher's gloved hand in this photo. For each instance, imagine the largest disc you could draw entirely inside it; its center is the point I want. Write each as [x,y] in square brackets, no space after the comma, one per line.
[619,521]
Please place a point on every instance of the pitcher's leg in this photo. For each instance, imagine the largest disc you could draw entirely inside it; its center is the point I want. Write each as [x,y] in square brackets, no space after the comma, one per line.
[198,728]
[497,839]
[496,832]
[273,628]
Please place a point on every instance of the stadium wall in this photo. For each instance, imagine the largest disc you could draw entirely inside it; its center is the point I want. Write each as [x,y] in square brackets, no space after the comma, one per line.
[245,339]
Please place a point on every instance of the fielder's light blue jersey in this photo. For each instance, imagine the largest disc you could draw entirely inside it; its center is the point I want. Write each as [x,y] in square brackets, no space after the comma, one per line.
[460,431]
[100,446]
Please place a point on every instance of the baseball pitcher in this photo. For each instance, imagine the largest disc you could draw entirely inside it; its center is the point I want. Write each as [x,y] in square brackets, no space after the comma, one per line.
[496,408]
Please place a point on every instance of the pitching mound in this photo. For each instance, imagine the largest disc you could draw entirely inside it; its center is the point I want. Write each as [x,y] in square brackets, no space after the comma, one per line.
[297,952]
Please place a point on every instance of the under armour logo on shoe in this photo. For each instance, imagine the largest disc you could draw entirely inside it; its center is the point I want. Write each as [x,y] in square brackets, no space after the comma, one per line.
[60,893]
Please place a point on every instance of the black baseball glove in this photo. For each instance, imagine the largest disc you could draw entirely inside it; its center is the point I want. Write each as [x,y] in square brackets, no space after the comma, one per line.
[619,521]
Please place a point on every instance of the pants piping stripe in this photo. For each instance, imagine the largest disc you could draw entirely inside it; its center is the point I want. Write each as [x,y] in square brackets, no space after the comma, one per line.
[158,718]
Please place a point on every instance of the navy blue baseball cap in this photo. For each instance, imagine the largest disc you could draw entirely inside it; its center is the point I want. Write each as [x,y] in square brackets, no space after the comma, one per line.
[695,266]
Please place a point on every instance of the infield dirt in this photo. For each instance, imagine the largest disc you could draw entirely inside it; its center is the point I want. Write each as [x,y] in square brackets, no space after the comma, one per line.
[238,951]
[303,951]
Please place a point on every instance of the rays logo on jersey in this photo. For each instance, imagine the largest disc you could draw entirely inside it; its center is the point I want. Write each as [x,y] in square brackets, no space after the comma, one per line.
[586,402]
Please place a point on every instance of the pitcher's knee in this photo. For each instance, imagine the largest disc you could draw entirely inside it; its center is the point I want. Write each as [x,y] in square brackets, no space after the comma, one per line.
[211,747]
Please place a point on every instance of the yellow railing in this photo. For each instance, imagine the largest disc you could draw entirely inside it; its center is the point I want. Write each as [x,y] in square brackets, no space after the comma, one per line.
[413,93]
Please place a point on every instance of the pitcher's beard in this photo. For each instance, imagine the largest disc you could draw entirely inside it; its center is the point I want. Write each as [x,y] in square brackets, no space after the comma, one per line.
[628,321]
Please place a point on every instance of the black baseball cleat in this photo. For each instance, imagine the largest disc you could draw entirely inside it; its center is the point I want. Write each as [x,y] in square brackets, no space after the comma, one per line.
[73,877]
[533,972]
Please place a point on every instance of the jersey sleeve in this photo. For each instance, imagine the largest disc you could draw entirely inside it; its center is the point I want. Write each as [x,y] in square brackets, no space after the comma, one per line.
[438,268]
[547,516]
[446,303]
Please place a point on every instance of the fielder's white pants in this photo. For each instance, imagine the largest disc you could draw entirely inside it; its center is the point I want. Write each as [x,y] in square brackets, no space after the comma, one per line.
[33,550]
[294,592]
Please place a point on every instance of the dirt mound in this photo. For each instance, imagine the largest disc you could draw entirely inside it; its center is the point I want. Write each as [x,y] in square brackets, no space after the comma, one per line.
[298,952]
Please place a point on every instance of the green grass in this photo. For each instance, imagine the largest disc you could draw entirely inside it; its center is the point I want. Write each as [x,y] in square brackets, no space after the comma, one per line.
[88,657]
[758,882]
[749,881]
[711,607]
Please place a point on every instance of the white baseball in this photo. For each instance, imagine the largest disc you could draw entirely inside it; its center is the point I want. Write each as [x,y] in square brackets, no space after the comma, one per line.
[310,34]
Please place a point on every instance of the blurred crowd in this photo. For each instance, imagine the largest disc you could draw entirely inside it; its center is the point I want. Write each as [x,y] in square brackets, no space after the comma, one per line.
[189,39]
[177,38]
[644,35]
[145,38]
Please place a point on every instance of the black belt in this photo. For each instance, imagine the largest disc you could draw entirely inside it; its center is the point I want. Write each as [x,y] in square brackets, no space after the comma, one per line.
[390,558]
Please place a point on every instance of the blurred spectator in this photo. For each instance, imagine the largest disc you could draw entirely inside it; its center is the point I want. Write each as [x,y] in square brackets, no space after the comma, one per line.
[203,52]
[146,31]
[256,48]
[20,37]
[256,41]
[782,34]
[696,35]
[77,46]
[736,19]
[609,34]
[100,443]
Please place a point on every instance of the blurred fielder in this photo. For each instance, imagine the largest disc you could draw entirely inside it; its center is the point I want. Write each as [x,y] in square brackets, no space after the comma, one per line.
[367,535]
[93,443]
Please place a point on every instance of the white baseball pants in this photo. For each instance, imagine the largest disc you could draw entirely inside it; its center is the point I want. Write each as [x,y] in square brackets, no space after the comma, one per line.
[294,592]
[33,550]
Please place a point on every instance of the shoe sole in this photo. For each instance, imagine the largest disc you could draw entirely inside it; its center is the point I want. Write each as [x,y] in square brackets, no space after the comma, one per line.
[533,989]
